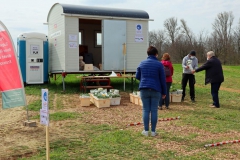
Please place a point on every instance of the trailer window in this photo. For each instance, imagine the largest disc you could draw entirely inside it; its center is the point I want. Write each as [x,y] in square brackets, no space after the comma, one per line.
[80,37]
[98,39]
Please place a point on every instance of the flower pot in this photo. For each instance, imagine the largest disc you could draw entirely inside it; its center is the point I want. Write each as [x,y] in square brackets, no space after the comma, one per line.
[115,101]
[179,91]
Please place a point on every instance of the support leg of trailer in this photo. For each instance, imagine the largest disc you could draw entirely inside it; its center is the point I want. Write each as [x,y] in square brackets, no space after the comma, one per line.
[132,84]
[63,82]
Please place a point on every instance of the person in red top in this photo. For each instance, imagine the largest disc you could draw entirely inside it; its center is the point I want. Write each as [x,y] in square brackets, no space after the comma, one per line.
[166,63]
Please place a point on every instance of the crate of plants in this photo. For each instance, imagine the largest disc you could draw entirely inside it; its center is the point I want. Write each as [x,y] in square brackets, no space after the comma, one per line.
[84,100]
[176,95]
[115,97]
[136,96]
[92,92]
[101,99]
[131,98]
[140,101]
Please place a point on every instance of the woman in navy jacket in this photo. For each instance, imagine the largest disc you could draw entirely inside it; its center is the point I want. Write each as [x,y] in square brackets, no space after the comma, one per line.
[152,87]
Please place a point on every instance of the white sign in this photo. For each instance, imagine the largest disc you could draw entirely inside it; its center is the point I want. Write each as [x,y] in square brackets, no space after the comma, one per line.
[138,38]
[55,34]
[34,49]
[72,37]
[72,44]
[138,28]
[44,117]
[45,99]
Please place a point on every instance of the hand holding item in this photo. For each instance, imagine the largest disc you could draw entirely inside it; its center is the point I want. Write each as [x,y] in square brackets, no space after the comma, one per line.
[193,71]
[187,67]
[163,96]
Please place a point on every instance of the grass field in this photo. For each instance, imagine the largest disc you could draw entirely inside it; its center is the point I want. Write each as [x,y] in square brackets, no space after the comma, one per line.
[92,133]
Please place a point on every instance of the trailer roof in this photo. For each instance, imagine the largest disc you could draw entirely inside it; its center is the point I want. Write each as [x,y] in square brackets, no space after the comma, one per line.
[102,11]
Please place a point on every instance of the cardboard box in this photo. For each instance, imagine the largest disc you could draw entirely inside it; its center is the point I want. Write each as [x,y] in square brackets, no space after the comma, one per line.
[88,67]
[131,98]
[176,97]
[100,66]
[91,98]
[84,101]
[136,99]
[140,101]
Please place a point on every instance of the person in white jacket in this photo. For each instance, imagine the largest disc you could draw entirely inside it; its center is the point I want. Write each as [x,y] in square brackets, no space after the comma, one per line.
[189,63]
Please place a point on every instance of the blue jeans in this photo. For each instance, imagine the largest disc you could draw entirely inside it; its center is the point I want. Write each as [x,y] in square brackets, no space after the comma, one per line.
[214,91]
[150,99]
[166,100]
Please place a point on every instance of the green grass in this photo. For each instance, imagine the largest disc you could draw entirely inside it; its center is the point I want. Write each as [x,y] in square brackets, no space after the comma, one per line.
[106,141]
[59,116]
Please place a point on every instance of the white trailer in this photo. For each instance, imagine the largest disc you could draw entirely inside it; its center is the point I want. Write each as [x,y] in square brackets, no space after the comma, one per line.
[74,30]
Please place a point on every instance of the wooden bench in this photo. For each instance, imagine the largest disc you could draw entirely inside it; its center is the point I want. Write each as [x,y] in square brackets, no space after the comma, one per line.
[84,86]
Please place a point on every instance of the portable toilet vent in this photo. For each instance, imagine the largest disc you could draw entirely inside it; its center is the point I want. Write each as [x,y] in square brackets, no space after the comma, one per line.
[33,57]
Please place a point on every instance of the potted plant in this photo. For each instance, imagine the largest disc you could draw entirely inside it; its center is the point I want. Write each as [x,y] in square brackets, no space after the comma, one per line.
[101,99]
[115,98]
[84,100]
[173,90]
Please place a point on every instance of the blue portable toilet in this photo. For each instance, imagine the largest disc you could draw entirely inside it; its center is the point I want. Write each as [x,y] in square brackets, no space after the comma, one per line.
[32,50]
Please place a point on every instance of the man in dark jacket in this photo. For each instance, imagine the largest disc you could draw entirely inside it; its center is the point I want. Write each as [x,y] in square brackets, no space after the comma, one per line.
[213,75]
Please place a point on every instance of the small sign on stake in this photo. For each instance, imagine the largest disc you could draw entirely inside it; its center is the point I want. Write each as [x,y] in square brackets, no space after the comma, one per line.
[44,118]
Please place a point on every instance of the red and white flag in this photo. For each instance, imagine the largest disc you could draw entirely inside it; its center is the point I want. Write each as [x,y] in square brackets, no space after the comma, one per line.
[11,85]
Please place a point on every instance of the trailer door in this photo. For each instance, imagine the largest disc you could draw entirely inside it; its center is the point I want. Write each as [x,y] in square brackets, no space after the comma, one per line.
[113,38]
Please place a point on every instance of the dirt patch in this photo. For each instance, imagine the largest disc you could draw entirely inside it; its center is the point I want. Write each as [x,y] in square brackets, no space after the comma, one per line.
[223,88]
[229,89]
[18,140]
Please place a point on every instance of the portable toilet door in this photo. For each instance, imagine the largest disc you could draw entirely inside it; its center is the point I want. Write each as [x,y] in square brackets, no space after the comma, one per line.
[33,57]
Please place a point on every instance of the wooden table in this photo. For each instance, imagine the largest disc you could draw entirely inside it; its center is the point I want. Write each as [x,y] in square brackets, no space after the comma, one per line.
[85,79]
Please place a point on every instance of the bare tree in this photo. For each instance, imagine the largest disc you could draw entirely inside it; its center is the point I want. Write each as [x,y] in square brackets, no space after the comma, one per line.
[187,31]
[222,27]
[157,38]
[201,46]
[236,37]
[171,27]
[178,41]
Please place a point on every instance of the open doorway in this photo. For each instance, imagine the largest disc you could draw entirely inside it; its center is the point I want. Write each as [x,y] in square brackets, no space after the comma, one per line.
[90,41]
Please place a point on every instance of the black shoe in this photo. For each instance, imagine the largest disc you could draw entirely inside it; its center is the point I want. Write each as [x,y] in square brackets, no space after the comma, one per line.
[167,107]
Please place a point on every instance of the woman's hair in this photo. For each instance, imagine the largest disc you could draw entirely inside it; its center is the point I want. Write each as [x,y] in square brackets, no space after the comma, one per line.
[152,50]
[166,57]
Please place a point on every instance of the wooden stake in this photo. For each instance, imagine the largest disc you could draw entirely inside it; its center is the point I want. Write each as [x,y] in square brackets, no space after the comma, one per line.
[47,144]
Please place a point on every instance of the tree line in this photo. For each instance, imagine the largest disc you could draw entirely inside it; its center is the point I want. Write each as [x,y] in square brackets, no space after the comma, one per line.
[178,40]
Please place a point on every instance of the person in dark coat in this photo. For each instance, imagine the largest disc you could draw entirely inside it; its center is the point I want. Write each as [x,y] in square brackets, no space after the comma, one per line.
[213,75]
[152,87]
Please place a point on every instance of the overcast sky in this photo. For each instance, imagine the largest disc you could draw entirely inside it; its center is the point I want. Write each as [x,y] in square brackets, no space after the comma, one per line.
[21,16]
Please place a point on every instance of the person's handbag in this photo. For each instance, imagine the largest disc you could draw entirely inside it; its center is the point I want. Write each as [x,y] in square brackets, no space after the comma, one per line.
[167,71]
